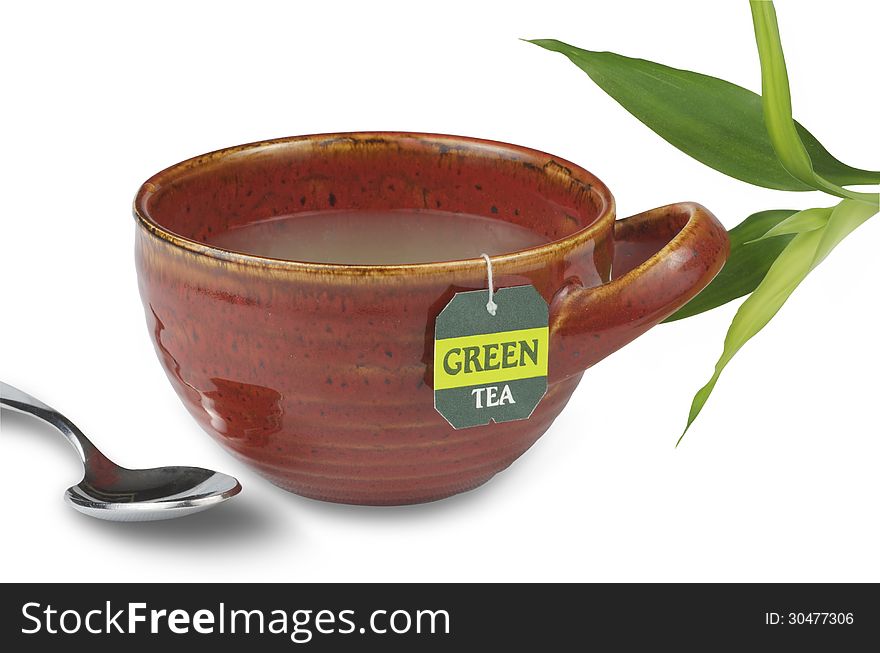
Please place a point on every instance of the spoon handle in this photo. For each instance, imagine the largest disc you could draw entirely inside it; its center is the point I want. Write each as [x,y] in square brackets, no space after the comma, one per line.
[21,402]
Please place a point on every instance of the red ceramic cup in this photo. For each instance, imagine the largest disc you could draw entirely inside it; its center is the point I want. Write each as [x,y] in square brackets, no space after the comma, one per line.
[319,376]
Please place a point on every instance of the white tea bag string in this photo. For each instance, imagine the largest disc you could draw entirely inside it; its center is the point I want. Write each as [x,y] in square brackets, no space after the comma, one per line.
[491,306]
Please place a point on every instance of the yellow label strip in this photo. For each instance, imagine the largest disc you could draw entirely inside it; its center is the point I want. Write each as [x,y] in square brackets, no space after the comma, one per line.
[490,358]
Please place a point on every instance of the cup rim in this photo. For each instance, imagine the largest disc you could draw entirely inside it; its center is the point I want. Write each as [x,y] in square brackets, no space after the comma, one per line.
[562,167]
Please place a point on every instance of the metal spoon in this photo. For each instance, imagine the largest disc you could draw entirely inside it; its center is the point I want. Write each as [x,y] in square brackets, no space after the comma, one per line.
[109,491]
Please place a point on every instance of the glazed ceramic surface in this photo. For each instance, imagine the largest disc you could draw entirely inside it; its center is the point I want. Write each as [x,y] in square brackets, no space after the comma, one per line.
[319,375]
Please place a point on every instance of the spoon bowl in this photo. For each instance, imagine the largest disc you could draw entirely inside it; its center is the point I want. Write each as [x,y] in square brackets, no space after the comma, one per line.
[151,494]
[116,493]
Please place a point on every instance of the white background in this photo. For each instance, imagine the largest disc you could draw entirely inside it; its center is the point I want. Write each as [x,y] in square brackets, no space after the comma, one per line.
[776,481]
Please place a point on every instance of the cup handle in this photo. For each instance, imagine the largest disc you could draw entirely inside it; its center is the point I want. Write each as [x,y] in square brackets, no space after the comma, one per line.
[662,259]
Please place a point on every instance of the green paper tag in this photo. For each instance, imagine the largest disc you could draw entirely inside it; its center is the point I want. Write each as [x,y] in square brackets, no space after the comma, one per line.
[491,367]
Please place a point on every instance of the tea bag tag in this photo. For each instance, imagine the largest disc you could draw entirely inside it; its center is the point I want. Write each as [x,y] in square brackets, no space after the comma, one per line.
[491,357]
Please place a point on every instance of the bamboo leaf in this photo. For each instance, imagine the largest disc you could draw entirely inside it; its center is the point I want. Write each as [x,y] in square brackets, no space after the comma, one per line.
[846,218]
[800,256]
[758,309]
[718,123]
[776,100]
[776,96]
[805,220]
[749,260]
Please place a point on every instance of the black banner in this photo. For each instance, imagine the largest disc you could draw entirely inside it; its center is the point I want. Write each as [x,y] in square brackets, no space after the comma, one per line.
[428,617]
